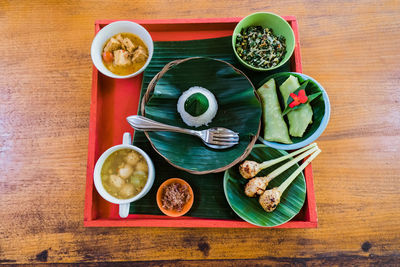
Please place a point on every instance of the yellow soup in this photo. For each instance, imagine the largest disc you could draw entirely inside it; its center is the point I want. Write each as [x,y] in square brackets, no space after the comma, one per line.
[124,173]
[124,54]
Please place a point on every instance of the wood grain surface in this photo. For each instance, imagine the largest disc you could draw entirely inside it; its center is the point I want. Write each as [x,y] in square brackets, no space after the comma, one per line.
[351,47]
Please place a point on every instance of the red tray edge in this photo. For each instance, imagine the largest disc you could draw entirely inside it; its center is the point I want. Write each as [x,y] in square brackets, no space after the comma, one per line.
[185,21]
[194,223]
[89,214]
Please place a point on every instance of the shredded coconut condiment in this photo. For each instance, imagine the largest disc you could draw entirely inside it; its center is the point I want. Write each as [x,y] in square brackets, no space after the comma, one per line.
[175,196]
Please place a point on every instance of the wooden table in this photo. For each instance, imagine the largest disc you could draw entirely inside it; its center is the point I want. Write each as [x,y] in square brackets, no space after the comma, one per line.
[352,48]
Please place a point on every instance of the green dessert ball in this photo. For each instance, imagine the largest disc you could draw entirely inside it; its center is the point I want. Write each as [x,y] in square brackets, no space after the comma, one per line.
[196,104]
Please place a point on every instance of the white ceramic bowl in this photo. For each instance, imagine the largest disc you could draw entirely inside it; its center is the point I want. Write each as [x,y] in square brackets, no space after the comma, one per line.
[112,29]
[124,204]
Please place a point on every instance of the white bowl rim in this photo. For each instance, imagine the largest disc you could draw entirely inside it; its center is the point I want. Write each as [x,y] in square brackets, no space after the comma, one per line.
[317,133]
[97,175]
[105,71]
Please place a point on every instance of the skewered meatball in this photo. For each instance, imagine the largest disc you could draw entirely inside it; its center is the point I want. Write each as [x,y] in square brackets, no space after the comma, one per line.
[270,199]
[249,169]
[255,186]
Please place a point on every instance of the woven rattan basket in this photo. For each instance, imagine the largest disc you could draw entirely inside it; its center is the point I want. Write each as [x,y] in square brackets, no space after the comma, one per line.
[149,92]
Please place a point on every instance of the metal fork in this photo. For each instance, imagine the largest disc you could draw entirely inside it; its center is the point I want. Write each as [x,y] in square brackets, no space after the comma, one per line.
[217,137]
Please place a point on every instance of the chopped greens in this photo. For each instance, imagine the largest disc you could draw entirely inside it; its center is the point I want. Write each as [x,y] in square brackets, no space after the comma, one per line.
[259,47]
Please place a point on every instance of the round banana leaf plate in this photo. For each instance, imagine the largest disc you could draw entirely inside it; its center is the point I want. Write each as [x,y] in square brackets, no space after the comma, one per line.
[239,109]
[320,108]
[292,199]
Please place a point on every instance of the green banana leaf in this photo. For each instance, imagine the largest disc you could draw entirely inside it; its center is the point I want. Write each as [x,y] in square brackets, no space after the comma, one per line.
[317,105]
[209,197]
[238,110]
[210,201]
[292,200]
[218,48]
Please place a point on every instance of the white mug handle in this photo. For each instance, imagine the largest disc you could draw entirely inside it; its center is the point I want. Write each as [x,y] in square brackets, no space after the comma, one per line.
[126,139]
[124,208]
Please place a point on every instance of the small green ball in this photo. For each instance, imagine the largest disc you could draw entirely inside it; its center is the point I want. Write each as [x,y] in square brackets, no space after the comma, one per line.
[196,104]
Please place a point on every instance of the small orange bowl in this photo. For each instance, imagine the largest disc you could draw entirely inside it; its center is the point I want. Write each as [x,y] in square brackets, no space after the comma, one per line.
[186,207]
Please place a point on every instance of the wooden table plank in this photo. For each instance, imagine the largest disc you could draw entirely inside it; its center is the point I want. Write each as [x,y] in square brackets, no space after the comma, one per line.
[350,47]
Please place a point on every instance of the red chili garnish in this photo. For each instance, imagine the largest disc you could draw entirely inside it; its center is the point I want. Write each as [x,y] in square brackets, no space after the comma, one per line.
[298,99]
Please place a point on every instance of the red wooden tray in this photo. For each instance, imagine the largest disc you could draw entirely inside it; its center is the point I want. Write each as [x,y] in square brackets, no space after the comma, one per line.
[114,99]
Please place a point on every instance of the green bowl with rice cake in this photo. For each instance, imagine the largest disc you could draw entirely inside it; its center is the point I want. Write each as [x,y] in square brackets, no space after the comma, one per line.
[305,124]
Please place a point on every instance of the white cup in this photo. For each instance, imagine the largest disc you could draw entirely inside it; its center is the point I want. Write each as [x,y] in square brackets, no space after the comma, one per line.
[109,31]
[124,204]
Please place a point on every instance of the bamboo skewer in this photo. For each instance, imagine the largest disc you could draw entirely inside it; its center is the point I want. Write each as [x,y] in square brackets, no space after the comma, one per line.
[249,169]
[289,164]
[293,176]
[257,185]
[271,162]
[270,199]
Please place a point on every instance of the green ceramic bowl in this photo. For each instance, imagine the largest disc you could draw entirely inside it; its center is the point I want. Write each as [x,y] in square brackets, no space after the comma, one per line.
[321,111]
[279,27]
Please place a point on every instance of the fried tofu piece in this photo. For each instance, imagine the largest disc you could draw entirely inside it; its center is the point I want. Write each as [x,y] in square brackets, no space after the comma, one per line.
[121,58]
[139,55]
[112,45]
[121,41]
[128,45]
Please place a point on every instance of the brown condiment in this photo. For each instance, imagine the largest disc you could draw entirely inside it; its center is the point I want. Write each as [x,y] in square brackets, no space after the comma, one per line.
[175,196]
